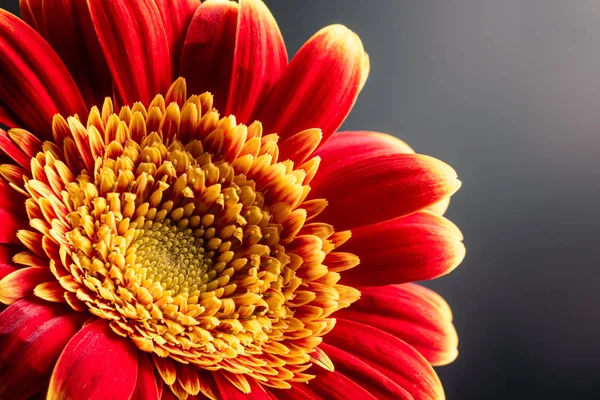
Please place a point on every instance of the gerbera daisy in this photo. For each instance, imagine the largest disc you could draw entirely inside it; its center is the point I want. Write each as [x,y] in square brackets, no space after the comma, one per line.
[180,219]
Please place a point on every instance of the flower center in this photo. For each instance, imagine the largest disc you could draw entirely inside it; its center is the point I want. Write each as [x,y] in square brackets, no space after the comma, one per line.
[187,234]
[171,256]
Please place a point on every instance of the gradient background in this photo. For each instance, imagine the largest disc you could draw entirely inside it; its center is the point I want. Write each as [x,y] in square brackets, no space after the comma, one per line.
[508,93]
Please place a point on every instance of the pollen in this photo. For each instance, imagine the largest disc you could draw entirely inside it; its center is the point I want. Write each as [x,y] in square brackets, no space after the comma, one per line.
[189,234]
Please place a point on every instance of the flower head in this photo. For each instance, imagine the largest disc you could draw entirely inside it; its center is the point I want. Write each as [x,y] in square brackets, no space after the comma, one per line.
[180,219]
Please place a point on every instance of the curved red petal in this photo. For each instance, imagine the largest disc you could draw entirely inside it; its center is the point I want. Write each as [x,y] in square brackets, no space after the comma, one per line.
[96,364]
[176,16]
[207,55]
[20,283]
[343,147]
[337,386]
[355,145]
[406,312]
[368,377]
[417,247]
[319,87]
[67,26]
[34,333]
[35,84]
[259,60]
[365,191]
[388,355]
[146,387]
[134,42]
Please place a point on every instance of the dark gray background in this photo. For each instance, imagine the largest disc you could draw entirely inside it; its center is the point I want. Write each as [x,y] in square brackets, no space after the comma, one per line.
[508,93]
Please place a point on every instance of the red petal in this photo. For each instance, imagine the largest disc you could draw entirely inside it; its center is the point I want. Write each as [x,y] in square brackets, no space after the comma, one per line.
[227,391]
[67,26]
[176,16]
[34,333]
[134,42]
[319,87]
[96,364]
[412,313]
[417,247]
[6,269]
[354,145]
[207,55]
[21,283]
[336,386]
[35,84]
[13,151]
[343,147]
[368,377]
[11,224]
[388,355]
[146,387]
[299,391]
[365,191]
[258,61]
[32,13]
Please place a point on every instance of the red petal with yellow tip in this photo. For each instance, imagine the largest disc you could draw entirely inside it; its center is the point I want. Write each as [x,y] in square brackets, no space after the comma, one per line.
[388,355]
[21,283]
[34,333]
[390,186]
[207,55]
[259,60]
[319,87]
[67,27]
[134,42]
[369,378]
[34,82]
[348,145]
[96,364]
[417,247]
[13,151]
[412,313]
[176,16]
[146,387]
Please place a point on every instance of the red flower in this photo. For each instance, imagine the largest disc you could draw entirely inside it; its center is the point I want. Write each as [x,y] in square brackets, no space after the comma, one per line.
[161,241]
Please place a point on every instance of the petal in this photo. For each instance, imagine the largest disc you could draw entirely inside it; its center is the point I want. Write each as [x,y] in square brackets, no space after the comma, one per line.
[11,224]
[259,60]
[207,55]
[176,16]
[146,387]
[34,333]
[227,391]
[6,269]
[134,42]
[35,84]
[337,386]
[319,87]
[13,151]
[67,26]
[388,355]
[368,377]
[412,313]
[343,147]
[21,283]
[353,145]
[417,247]
[369,190]
[95,364]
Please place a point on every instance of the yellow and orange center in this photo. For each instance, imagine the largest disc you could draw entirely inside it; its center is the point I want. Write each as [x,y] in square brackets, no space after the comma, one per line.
[185,231]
